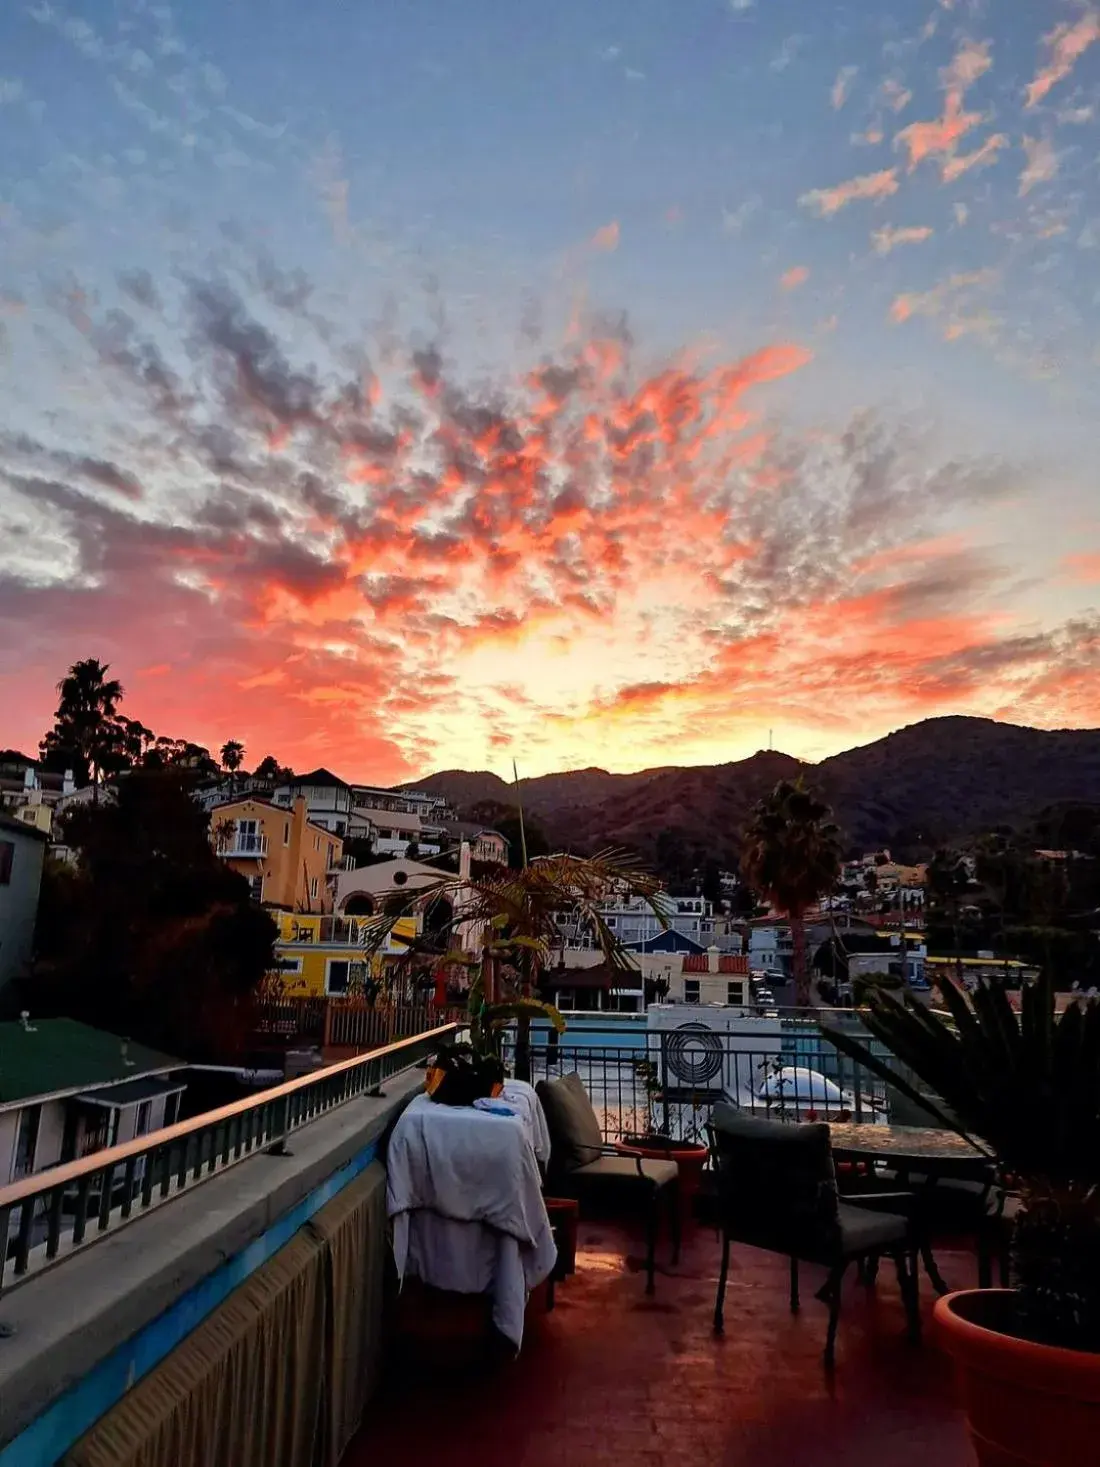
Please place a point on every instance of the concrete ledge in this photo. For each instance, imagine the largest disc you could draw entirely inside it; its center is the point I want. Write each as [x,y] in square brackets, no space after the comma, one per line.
[69,1320]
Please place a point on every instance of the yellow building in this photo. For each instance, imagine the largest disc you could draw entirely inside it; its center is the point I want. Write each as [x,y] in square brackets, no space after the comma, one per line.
[326,956]
[285,859]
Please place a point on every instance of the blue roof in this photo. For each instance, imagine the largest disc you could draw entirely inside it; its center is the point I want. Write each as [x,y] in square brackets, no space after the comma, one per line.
[668,941]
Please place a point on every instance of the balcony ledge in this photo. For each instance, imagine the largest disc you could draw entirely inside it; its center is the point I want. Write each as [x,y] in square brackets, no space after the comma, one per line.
[67,1321]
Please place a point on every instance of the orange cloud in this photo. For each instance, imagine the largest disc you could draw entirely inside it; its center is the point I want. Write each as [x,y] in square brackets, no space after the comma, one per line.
[839,93]
[794,277]
[1084,566]
[1066,44]
[980,158]
[1042,164]
[941,136]
[606,238]
[888,238]
[829,201]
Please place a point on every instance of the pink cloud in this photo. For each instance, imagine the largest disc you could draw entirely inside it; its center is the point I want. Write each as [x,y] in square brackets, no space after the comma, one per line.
[1042,164]
[888,238]
[1066,44]
[980,158]
[606,238]
[940,137]
[841,87]
[829,201]
[794,277]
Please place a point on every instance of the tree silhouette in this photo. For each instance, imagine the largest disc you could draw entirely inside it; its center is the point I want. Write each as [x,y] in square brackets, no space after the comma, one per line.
[792,858]
[232,757]
[85,727]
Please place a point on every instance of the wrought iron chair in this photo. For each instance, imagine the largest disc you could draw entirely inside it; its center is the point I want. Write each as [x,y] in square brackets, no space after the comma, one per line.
[776,1190]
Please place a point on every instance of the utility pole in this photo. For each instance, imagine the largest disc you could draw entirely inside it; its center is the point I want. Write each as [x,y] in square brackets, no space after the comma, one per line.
[519,807]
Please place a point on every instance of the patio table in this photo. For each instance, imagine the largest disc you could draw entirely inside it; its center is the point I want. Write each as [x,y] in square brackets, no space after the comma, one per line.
[931,1152]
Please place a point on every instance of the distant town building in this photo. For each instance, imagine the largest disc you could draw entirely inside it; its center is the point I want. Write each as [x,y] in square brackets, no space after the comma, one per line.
[67,1090]
[328,799]
[22,855]
[287,859]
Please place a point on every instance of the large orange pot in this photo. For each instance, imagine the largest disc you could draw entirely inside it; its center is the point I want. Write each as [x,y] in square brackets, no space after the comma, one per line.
[1027,1405]
[690,1158]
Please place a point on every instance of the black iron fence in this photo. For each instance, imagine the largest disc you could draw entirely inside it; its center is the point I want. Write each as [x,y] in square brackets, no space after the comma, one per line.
[668,1081]
[48,1216]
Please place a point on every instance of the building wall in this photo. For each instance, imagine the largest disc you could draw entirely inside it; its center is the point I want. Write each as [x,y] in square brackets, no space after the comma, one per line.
[307,946]
[299,859]
[9,1129]
[19,900]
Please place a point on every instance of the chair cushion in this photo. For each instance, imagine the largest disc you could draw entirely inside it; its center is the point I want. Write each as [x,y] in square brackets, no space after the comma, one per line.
[776,1182]
[862,1231]
[575,1135]
[625,1169]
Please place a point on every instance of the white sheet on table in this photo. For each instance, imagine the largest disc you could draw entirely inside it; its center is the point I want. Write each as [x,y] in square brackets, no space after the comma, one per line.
[457,1165]
[470,1258]
[522,1095]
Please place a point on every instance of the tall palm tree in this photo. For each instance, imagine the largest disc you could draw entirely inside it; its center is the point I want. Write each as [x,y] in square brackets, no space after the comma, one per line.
[505,926]
[232,757]
[85,717]
[792,856]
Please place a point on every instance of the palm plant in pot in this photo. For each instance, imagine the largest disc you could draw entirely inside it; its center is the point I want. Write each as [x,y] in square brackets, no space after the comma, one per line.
[1026,1088]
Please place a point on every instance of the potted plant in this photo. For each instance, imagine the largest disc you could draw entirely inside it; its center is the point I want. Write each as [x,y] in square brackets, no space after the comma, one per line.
[689,1156]
[459,1074]
[1026,1088]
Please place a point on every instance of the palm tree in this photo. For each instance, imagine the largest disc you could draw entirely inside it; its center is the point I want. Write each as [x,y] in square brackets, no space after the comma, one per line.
[232,757]
[791,856]
[85,717]
[505,925]
[948,880]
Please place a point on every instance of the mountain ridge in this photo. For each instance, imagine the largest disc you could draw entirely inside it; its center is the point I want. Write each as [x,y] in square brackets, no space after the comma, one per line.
[919,786]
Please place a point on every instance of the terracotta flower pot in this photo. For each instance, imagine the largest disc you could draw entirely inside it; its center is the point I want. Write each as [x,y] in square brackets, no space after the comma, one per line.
[1027,1405]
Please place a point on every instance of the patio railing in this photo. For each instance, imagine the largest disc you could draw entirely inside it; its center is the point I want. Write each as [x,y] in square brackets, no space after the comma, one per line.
[48,1216]
[668,1081]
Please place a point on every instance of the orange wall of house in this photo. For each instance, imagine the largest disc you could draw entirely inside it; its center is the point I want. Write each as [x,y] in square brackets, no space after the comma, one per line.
[297,855]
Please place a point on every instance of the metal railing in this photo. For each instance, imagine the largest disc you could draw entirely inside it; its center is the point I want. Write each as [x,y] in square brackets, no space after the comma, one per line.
[667,1081]
[47,1217]
[244,845]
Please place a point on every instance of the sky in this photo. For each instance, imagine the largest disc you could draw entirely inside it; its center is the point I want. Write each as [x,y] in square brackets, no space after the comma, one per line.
[625,383]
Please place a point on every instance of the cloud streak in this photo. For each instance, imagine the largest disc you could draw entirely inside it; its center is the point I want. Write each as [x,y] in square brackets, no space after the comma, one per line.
[869,186]
[1065,46]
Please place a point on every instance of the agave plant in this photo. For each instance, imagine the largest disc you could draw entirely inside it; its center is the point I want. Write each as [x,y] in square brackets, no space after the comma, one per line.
[1026,1088]
[505,926]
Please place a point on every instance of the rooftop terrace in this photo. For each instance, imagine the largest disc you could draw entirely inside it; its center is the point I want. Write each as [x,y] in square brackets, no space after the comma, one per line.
[611,1376]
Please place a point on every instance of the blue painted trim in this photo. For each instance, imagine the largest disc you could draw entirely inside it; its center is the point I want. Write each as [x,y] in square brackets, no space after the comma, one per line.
[66,1420]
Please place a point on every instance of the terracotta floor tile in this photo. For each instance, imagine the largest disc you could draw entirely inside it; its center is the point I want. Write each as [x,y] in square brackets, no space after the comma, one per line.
[613,1377]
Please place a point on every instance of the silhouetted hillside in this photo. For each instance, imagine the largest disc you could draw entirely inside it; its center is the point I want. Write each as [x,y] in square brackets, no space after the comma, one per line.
[927,784]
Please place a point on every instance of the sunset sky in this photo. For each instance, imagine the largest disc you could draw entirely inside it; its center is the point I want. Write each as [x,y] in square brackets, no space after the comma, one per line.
[398,386]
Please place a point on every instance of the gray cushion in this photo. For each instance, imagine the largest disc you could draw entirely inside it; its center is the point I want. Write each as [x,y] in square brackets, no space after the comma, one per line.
[575,1133]
[625,1168]
[776,1180]
[863,1231]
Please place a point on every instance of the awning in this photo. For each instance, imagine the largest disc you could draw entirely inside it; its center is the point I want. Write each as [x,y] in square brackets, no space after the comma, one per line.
[132,1092]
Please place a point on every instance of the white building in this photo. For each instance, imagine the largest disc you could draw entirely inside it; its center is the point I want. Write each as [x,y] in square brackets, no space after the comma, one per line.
[67,1090]
[328,800]
[22,854]
[635,923]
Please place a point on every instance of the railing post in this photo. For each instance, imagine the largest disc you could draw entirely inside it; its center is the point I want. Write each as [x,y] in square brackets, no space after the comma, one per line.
[326,1030]
[663,1077]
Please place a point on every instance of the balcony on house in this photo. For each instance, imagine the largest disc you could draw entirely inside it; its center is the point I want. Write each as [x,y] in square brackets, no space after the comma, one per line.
[224,1282]
[242,844]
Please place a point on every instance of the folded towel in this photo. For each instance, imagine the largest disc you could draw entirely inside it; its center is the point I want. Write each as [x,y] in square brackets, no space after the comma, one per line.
[494,1107]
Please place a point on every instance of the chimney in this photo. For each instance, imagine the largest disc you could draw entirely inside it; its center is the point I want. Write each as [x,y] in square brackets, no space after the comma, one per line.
[464,861]
[68,783]
[713,965]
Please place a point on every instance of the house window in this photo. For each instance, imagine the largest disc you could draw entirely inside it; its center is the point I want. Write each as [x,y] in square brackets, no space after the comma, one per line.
[313,887]
[7,861]
[316,842]
[26,1143]
[144,1115]
[172,1108]
[286,833]
[735,993]
[256,887]
[342,975]
[691,990]
[288,965]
